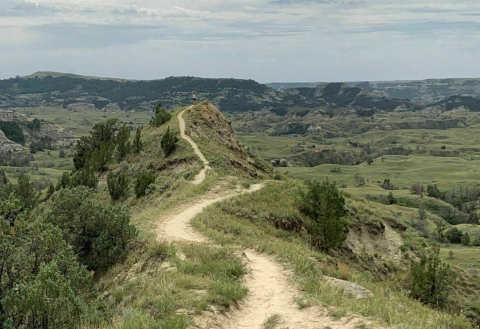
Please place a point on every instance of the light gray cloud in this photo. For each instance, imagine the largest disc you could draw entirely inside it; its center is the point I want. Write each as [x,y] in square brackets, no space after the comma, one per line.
[13,8]
[267,40]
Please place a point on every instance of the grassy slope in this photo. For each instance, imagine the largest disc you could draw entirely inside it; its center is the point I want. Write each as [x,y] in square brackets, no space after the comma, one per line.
[245,221]
[159,284]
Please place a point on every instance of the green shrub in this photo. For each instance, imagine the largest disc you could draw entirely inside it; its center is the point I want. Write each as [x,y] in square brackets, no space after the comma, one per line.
[97,148]
[82,177]
[117,185]
[26,192]
[466,239]
[137,141]
[42,284]
[454,235]
[168,142]
[142,182]
[325,205]
[123,143]
[431,279]
[98,234]
[160,117]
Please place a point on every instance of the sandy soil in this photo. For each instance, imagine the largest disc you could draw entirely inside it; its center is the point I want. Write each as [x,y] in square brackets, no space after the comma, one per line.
[206,165]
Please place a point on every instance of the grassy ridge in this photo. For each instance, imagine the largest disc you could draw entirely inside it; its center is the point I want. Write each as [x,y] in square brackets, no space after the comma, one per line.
[225,225]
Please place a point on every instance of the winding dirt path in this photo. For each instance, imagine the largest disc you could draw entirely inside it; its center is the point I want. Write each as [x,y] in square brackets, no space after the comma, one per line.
[206,165]
[270,292]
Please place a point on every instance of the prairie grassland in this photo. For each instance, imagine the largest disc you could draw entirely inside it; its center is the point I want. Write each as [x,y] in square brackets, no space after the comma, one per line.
[403,171]
[227,224]
[463,256]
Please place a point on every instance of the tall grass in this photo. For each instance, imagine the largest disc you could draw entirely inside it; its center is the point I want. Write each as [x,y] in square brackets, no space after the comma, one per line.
[389,305]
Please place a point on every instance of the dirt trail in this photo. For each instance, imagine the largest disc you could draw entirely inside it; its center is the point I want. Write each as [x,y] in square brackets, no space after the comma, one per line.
[177,226]
[206,165]
[270,292]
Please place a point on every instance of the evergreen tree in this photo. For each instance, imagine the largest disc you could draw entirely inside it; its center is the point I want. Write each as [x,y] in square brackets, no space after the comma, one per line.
[98,234]
[454,235]
[168,142]
[431,279]
[61,154]
[123,143]
[137,142]
[42,284]
[142,182]
[160,117]
[102,156]
[26,192]
[434,192]
[117,185]
[466,239]
[50,191]
[97,148]
[3,178]
[84,177]
[325,205]
[391,198]
[472,218]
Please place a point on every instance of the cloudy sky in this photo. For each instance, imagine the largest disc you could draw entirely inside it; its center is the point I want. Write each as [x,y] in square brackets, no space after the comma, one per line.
[265,40]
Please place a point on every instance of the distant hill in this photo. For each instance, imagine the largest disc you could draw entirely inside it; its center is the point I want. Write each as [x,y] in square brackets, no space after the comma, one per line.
[425,91]
[281,86]
[76,92]
[230,95]
[44,74]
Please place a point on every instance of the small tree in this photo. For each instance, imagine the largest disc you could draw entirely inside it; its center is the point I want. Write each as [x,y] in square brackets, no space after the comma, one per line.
[3,178]
[476,241]
[99,234]
[137,142]
[472,218]
[391,198]
[325,205]
[25,191]
[359,179]
[61,154]
[417,189]
[369,160]
[422,213]
[434,192]
[431,279]
[160,117]
[117,185]
[142,182]
[84,177]
[50,191]
[123,143]
[168,142]
[454,235]
[102,156]
[42,284]
[466,239]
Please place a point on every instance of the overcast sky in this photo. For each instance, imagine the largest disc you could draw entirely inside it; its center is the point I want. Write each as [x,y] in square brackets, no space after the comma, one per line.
[265,40]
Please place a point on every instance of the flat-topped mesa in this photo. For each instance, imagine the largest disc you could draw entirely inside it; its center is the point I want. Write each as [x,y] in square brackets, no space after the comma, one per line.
[213,133]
